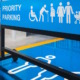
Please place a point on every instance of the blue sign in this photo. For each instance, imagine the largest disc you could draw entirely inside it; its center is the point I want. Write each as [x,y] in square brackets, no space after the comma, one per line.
[50,15]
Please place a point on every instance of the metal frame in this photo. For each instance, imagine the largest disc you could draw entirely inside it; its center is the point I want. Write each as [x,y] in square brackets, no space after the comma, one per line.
[43,32]
[49,67]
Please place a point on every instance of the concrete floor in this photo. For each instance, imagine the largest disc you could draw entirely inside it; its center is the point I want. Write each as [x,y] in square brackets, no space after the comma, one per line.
[21,39]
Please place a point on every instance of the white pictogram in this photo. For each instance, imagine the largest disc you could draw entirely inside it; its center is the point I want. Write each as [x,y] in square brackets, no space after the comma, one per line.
[27,66]
[50,78]
[39,74]
[21,68]
[47,58]
[60,12]
[68,11]
[32,15]
[43,9]
[77,17]
[52,13]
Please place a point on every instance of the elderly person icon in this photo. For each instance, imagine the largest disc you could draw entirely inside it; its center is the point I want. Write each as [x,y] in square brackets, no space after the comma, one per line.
[43,9]
[60,12]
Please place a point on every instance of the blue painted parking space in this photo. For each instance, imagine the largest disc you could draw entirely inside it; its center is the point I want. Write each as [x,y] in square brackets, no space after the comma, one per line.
[49,53]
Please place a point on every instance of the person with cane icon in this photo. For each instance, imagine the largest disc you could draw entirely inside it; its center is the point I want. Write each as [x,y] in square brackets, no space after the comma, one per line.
[43,9]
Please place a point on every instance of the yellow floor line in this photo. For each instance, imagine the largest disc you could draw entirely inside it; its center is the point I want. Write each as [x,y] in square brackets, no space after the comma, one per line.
[38,44]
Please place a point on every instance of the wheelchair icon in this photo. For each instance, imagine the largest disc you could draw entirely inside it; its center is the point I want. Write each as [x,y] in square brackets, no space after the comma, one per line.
[32,15]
